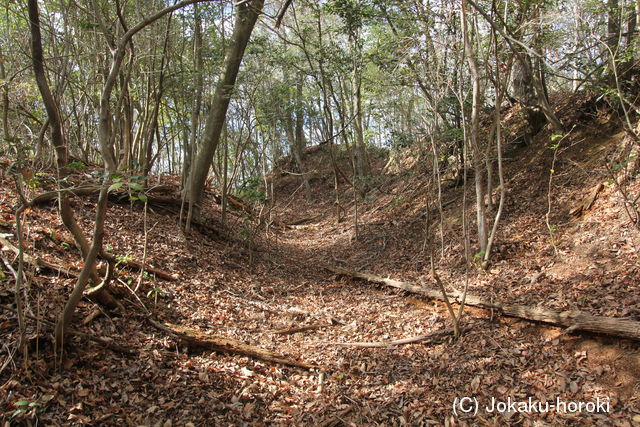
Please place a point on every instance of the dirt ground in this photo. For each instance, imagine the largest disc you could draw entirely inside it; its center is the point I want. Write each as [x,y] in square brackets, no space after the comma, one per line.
[247,283]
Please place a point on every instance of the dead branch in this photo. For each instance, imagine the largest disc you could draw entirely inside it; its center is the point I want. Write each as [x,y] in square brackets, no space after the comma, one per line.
[576,320]
[137,265]
[403,341]
[46,265]
[218,343]
[290,331]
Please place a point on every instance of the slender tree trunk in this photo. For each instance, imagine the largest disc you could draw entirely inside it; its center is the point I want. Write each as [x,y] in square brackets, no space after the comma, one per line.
[613,25]
[299,142]
[89,262]
[362,161]
[190,150]
[127,129]
[475,127]
[636,39]
[5,100]
[148,151]
[105,139]
[225,175]
[246,17]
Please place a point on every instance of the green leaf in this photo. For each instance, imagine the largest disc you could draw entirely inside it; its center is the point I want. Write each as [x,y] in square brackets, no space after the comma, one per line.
[76,165]
[21,403]
[143,197]
[135,186]
[114,186]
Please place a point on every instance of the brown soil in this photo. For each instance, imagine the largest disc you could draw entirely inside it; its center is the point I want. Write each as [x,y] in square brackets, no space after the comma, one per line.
[247,291]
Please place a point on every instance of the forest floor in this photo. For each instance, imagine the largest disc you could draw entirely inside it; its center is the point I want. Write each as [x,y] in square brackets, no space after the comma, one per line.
[247,283]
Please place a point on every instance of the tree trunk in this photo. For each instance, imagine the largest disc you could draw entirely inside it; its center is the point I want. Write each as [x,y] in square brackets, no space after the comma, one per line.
[5,100]
[475,128]
[105,138]
[148,149]
[89,262]
[246,17]
[190,149]
[362,162]
[294,129]
[613,25]
[299,142]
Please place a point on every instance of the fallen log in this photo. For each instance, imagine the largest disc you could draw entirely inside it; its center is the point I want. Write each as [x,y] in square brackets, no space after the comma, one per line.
[218,343]
[236,204]
[574,320]
[94,190]
[115,196]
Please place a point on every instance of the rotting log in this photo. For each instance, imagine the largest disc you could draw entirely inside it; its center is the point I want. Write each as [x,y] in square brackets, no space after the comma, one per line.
[94,190]
[221,344]
[572,319]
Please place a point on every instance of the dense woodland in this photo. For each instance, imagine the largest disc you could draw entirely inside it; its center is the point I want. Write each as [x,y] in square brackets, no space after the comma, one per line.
[337,212]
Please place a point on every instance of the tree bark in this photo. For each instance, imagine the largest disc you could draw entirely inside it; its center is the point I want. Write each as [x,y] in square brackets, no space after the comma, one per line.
[246,17]
[299,142]
[190,149]
[5,100]
[475,129]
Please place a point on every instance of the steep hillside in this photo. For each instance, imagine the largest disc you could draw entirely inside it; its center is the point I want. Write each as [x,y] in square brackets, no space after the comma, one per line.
[589,255]
[266,286]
